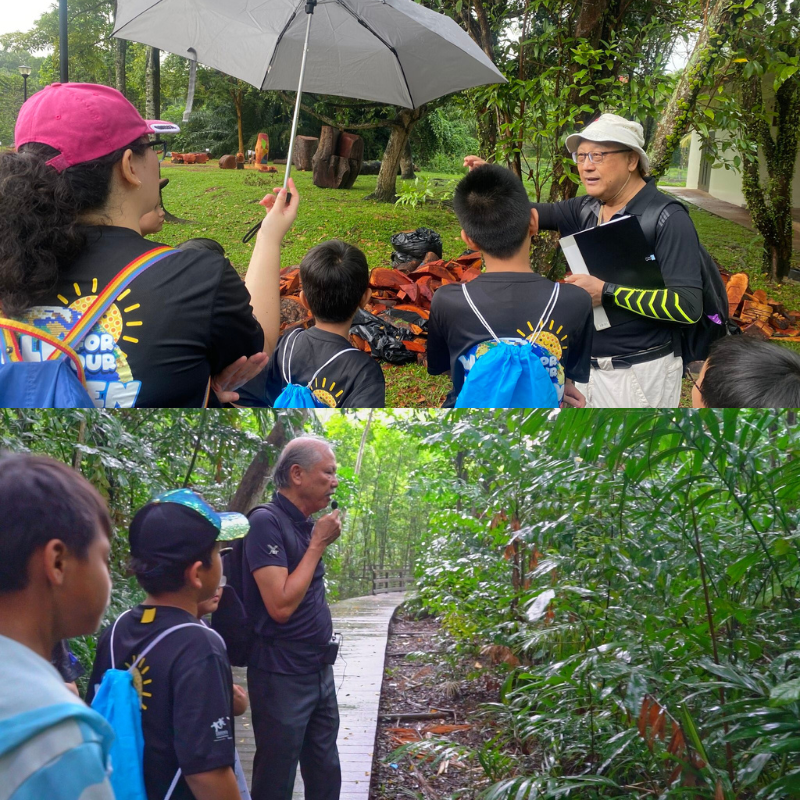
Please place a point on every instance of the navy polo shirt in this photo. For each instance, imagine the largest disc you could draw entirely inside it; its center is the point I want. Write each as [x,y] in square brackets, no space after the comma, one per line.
[279,537]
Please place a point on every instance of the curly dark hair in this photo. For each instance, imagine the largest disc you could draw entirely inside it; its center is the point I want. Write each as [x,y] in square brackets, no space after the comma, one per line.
[40,232]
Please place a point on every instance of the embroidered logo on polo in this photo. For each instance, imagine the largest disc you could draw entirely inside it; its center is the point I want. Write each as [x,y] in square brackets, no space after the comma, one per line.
[221,729]
[273,549]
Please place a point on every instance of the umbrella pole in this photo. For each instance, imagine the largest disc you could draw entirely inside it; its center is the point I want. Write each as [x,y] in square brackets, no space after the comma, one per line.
[309,13]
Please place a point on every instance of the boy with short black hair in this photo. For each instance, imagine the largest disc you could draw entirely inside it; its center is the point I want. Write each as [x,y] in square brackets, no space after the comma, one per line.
[745,372]
[185,680]
[54,584]
[495,215]
[335,280]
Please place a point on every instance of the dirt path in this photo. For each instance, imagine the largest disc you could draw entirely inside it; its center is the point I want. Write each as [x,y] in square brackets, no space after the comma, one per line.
[422,676]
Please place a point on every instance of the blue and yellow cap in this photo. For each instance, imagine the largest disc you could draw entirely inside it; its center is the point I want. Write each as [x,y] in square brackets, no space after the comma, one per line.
[179,525]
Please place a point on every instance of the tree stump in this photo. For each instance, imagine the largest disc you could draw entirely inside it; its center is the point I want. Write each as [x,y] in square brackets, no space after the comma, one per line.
[323,169]
[304,149]
[337,162]
[227,162]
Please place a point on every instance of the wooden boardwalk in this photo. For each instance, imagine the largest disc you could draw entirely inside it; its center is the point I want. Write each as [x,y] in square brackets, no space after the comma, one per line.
[364,623]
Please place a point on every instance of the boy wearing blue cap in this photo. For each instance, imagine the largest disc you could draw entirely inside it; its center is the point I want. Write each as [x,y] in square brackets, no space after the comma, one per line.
[185,681]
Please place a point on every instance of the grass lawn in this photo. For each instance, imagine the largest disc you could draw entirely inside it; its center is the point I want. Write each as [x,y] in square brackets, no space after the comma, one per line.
[222,205]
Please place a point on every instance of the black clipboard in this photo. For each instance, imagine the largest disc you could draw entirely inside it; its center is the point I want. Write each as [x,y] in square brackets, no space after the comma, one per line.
[616,252]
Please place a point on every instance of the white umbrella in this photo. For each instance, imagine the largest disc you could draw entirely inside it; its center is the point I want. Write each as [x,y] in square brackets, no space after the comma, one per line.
[390,51]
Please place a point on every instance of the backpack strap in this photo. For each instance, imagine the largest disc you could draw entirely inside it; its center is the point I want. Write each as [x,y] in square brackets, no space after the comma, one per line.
[648,219]
[115,287]
[60,349]
[548,310]
[547,313]
[332,358]
[167,632]
[111,643]
[478,313]
[291,353]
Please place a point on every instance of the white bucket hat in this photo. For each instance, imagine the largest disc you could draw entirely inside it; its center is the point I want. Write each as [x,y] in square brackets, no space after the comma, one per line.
[612,128]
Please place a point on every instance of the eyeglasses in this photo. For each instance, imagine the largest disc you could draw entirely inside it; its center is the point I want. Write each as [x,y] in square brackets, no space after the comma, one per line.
[160,146]
[595,157]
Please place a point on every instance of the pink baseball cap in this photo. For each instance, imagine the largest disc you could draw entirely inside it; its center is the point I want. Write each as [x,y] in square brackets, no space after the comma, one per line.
[83,121]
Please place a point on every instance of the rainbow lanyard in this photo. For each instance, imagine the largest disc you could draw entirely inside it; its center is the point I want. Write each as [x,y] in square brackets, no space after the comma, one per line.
[65,347]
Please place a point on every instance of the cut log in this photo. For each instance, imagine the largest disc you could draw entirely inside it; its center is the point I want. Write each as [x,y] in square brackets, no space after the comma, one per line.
[227,162]
[338,159]
[416,309]
[304,149]
[293,312]
[435,269]
[380,277]
[758,329]
[321,163]
[737,286]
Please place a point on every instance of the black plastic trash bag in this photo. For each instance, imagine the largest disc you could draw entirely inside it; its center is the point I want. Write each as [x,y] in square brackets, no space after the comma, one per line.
[415,245]
[404,319]
[384,339]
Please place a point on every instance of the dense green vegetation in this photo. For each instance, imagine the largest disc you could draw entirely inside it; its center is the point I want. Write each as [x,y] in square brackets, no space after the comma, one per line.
[637,574]
[642,569]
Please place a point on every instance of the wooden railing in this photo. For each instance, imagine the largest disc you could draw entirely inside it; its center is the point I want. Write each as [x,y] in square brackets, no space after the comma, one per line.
[386,580]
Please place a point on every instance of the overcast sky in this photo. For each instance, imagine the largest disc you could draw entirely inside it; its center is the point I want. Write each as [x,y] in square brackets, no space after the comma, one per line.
[19,15]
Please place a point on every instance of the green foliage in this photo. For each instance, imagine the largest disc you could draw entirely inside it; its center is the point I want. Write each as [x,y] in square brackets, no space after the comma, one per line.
[632,561]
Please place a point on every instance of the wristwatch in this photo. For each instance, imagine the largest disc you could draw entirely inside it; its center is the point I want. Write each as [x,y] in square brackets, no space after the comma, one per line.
[609,290]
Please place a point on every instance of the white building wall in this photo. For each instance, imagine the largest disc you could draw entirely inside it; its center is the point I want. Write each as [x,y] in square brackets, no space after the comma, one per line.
[726,184]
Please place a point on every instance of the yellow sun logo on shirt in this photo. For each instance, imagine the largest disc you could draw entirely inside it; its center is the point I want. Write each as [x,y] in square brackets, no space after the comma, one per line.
[139,681]
[326,394]
[112,321]
[547,338]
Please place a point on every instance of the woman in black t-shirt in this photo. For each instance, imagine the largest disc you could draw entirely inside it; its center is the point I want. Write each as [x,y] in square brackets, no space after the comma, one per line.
[70,203]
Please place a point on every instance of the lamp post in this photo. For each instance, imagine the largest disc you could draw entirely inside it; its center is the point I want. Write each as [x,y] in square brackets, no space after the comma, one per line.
[25,72]
[63,43]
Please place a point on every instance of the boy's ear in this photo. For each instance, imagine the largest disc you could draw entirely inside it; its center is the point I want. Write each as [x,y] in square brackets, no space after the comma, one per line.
[192,575]
[303,300]
[365,298]
[467,241]
[533,227]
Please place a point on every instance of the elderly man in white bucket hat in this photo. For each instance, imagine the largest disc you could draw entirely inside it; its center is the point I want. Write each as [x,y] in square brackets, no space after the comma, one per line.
[636,363]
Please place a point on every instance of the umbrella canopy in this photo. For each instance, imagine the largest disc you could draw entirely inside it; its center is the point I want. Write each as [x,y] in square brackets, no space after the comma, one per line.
[389,51]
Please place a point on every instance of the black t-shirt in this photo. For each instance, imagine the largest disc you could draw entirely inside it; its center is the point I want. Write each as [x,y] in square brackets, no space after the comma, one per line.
[182,320]
[352,380]
[512,303]
[677,252]
[279,537]
[185,684]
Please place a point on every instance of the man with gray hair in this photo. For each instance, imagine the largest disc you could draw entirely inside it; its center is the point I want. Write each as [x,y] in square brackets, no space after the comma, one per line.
[290,672]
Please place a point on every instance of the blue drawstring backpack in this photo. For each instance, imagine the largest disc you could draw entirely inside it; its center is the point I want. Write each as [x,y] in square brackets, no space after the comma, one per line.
[295,395]
[510,374]
[117,700]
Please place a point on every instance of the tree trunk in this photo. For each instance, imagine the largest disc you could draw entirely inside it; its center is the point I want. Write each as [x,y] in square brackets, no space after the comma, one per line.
[364,435]
[120,62]
[237,100]
[770,207]
[678,115]
[407,163]
[386,188]
[153,84]
[256,476]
